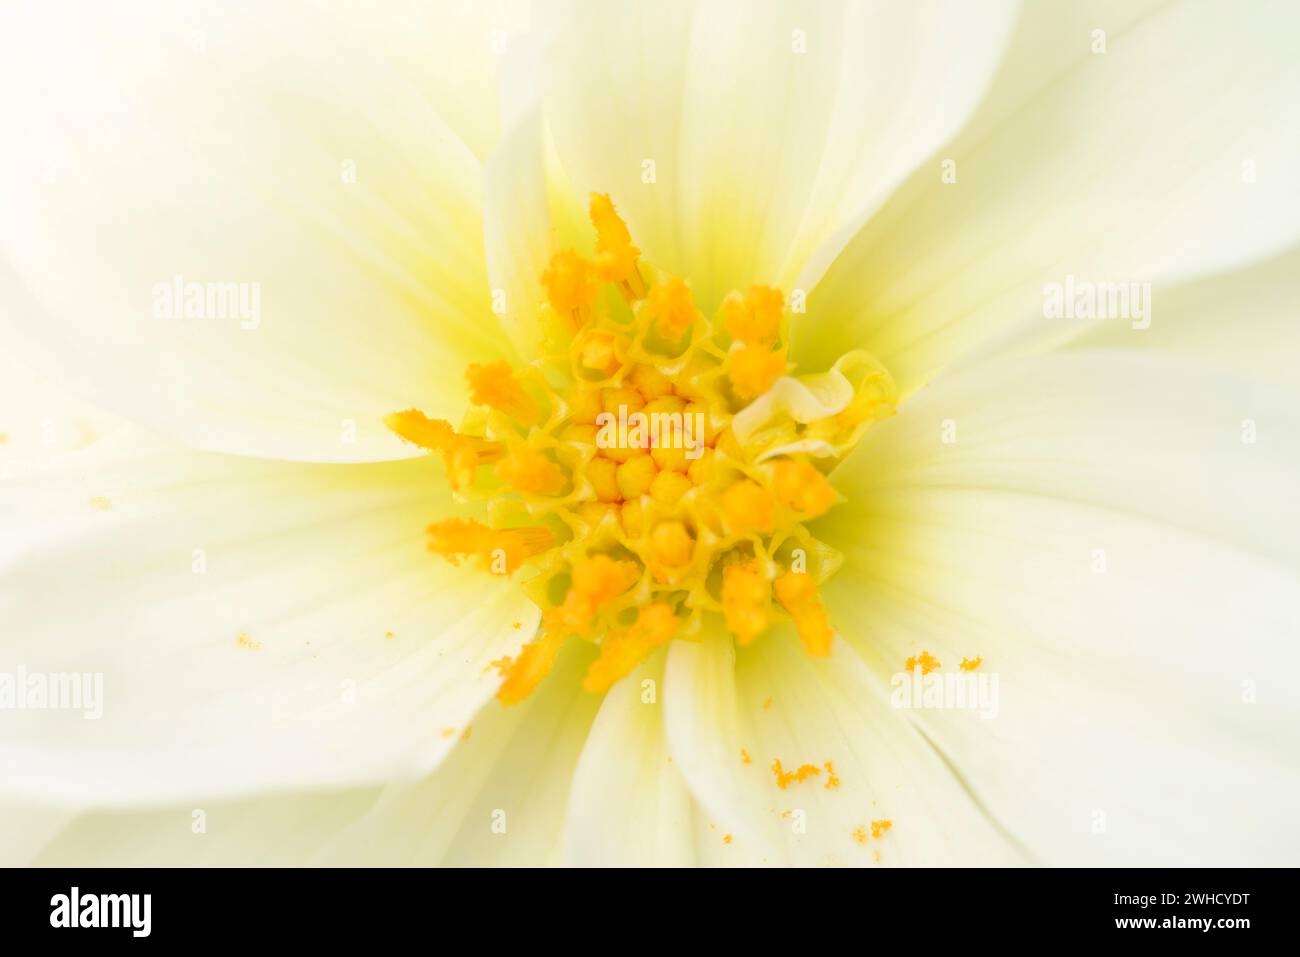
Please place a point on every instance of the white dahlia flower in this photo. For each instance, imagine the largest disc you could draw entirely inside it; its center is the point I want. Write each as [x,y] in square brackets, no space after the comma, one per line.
[665,433]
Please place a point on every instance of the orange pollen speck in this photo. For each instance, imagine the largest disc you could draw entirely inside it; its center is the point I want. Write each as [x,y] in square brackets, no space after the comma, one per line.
[925,661]
[832,779]
[971,664]
[880,827]
[860,834]
[745,758]
[802,773]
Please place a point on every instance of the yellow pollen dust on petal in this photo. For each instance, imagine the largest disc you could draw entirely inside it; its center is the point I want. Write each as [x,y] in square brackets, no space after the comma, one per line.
[879,827]
[494,384]
[671,309]
[801,487]
[798,595]
[925,661]
[746,600]
[753,369]
[971,664]
[749,507]
[622,649]
[802,773]
[527,470]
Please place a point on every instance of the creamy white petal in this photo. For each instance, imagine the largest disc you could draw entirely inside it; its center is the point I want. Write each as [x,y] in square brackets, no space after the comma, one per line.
[1164,157]
[731,715]
[256,145]
[1103,532]
[146,566]
[629,805]
[773,128]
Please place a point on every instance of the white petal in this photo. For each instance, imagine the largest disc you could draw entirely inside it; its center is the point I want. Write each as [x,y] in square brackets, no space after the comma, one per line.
[629,804]
[1106,536]
[773,127]
[146,566]
[220,146]
[772,702]
[1165,157]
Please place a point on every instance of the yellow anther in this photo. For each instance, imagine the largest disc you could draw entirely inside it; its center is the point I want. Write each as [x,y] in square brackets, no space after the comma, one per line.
[570,283]
[746,600]
[671,309]
[616,257]
[622,649]
[525,673]
[598,353]
[494,384]
[636,475]
[753,369]
[527,470]
[755,317]
[671,544]
[602,473]
[463,454]
[749,508]
[597,580]
[798,595]
[669,486]
[501,550]
[802,487]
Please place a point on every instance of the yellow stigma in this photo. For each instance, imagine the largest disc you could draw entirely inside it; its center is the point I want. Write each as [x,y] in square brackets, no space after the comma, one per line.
[620,487]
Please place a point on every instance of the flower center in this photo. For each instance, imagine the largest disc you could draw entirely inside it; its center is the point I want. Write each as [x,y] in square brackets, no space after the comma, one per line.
[653,469]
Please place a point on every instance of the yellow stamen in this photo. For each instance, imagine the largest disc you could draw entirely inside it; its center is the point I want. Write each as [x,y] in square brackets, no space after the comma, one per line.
[624,648]
[527,470]
[753,370]
[494,384]
[671,544]
[462,454]
[526,672]
[801,487]
[616,257]
[749,507]
[502,550]
[755,317]
[798,595]
[596,580]
[570,285]
[671,309]
[746,600]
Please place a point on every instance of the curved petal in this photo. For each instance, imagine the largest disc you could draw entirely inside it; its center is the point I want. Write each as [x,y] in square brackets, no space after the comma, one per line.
[731,716]
[1159,159]
[629,805]
[1110,534]
[233,619]
[773,128]
[320,218]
